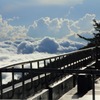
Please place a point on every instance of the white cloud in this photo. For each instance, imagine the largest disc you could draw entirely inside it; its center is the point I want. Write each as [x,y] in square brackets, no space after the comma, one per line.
[49,45]
[18,32]
[25,47]
[84,24]
[69,43]
[8,31]
[4,28]
[7,47]
[46,44]
[56,27]
[12,19]
[61,27]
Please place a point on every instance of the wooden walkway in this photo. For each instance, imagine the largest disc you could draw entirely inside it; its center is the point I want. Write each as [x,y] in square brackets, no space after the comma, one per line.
[72,94]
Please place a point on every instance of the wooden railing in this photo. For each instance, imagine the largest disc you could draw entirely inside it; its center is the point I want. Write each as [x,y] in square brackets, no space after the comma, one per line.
[36,74]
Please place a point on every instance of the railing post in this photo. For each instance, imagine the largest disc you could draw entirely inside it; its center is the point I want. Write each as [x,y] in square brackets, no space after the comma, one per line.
[1,90]
[13,82]
[93,86]
[31,74]
[46,83]
[23,87]
[38,66]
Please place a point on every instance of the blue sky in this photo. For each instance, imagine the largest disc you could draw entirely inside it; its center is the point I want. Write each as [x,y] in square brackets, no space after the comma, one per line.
[55,18]
[31,10]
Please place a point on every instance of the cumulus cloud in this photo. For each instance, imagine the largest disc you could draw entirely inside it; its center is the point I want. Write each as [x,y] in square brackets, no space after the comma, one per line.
[25,47]
[61,27]
[18,32]
[4,28]
[39,28]
[56,27]
[70,44]
[46,45]
[50,45]
[84,24]
[8,31]
[7,47]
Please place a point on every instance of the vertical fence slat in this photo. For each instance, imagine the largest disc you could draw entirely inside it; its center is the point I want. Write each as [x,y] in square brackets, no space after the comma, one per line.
[1,90]
[93,87]
[23,87]
[38,66]
[46,82]
[13,82]
[31,71]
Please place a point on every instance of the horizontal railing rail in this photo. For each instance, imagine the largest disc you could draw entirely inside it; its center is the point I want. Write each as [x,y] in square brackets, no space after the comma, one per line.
[60,55]
[51,70]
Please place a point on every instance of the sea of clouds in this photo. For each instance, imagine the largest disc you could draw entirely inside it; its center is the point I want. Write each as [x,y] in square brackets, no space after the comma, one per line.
[45,45]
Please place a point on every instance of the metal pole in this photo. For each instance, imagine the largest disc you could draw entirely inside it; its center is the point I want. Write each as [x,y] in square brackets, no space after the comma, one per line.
[93,86]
